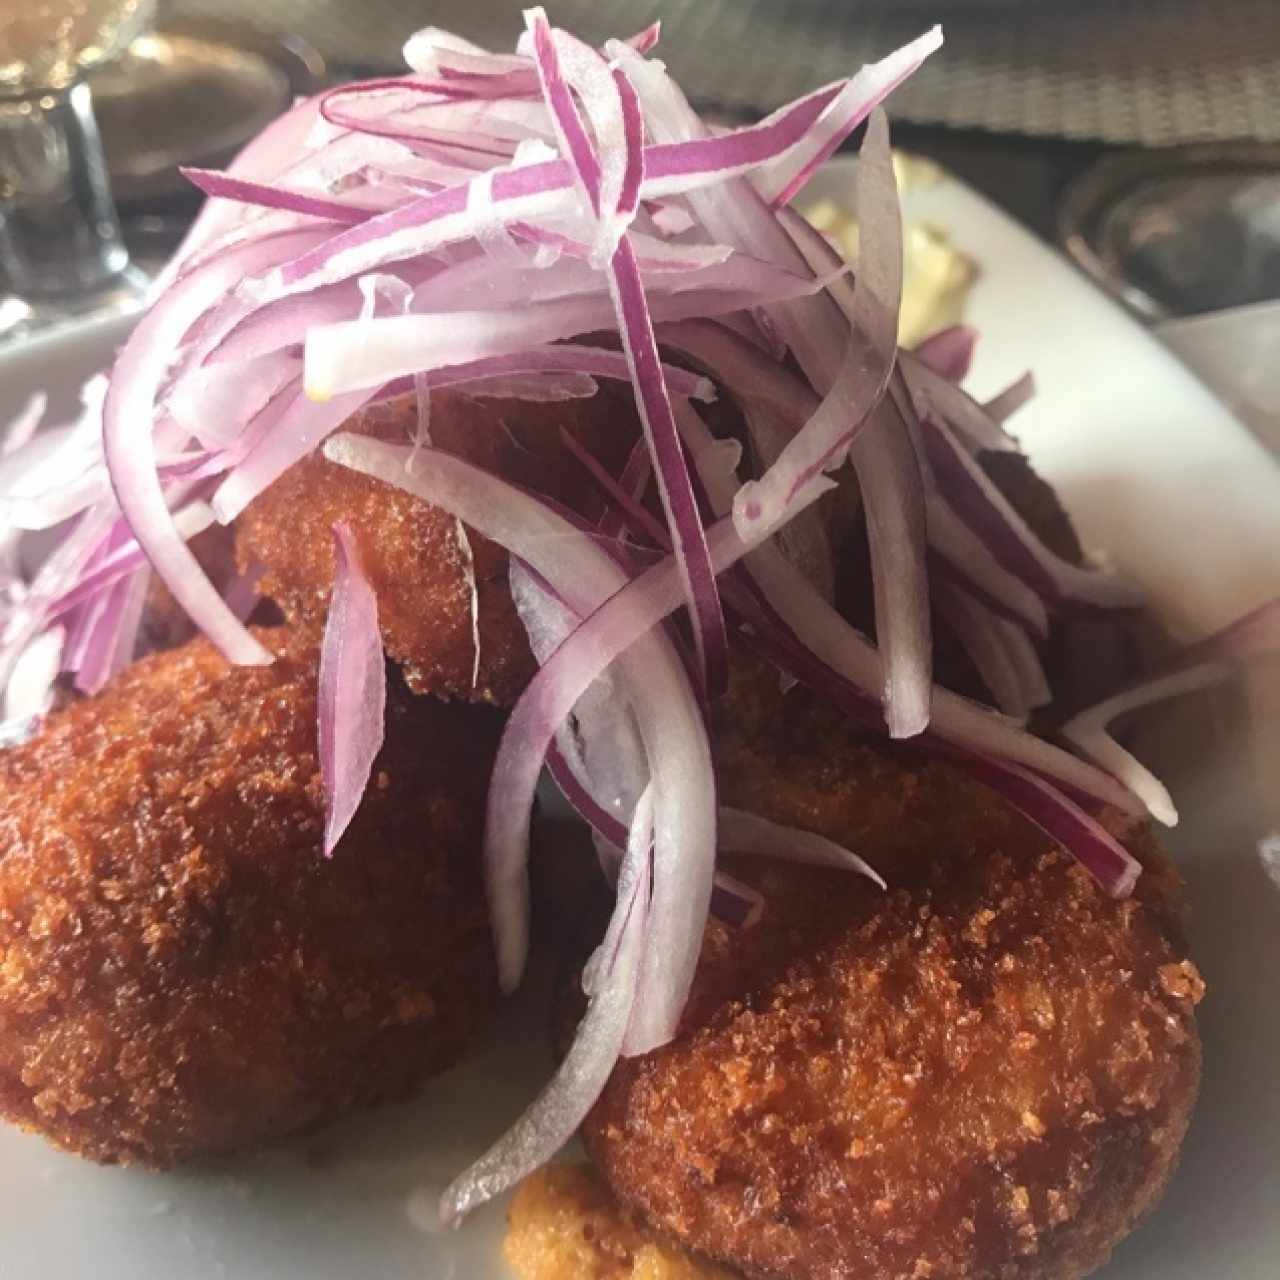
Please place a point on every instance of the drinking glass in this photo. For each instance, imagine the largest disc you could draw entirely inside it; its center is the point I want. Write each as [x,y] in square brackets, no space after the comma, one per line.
[60,243]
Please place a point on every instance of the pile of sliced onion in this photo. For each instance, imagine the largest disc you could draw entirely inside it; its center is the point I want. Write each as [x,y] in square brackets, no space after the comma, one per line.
[469,225]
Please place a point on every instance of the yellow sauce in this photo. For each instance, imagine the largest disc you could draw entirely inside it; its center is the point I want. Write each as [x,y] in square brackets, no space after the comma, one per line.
[565,1225]
[936,276]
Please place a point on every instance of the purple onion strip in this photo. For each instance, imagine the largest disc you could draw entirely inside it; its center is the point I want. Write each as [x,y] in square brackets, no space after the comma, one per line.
[352,696]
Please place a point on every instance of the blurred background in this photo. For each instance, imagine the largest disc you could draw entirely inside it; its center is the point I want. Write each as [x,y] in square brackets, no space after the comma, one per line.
[1142,136]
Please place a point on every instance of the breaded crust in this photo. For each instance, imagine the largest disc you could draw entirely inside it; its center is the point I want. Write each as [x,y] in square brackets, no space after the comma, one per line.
[412,551]
[986,1072]
[181,971]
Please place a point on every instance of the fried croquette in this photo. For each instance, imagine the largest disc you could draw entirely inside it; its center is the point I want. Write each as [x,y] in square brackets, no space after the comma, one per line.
[414,554]
[181,971]
[985,1072]
[564,1225]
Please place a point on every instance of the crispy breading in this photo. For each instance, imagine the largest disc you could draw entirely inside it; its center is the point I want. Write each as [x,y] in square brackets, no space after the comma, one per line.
[986,1072]
[412,551]
[181,971]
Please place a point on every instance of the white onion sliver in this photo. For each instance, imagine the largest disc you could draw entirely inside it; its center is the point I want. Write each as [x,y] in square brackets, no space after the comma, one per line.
[555,1115]
[743,832]
[473,595]
[352,696]
[29,692]
[949,352]
[1088,731]
[975,626]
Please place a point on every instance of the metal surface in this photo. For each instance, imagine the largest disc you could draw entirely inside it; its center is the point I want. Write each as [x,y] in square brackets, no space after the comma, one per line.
[1179,232]
[193,93]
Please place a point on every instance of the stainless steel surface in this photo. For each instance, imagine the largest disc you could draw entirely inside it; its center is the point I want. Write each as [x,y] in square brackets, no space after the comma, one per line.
[1179,232]
[193,93]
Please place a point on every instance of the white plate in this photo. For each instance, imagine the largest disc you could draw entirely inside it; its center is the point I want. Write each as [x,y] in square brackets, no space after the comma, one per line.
[1152,467]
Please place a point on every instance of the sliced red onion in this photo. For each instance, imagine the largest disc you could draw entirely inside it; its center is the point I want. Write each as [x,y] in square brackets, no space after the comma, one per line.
[22,426]
[961,554]
[1088,732]
[1009,538]
[949,352]
[659,692]
[530,192]
[979,633]
[936,396]
[653,254]
[1063,821]
[1050,807]
[893,501]
[954,720]
[736,903]
[60,569]
[272,151]
[50,477]
[601,159]
[295,432]
[489,227]
[386,109]
[634,512]
[476,377]
[774,403]
[270,196]
[108,644]
[891,487]
[1036,691]
[29,692]
[674,484]
[128,557]
[781,182]
[422,405]
[743,832]
[1001,407]
[555,1115]
[468,563]
[478,283]
[352,695]
[128,415]
[345,356]
[424,51]
[547,388]
[613,197]
[212,403]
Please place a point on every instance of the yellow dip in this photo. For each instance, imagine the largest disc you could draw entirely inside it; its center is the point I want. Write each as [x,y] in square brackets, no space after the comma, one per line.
[565,1225]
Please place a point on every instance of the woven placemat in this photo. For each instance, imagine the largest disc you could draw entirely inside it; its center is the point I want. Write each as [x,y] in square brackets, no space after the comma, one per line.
[1148,72]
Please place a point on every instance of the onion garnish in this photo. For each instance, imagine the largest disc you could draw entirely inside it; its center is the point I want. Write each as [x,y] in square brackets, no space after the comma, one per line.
[352,695]
[949,352]
[742,832]
[667,712]
[562,1106]
[30,690]
[1197,666]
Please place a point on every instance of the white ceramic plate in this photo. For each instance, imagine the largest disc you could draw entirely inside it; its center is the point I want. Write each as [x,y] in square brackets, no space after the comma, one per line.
[1153,468]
